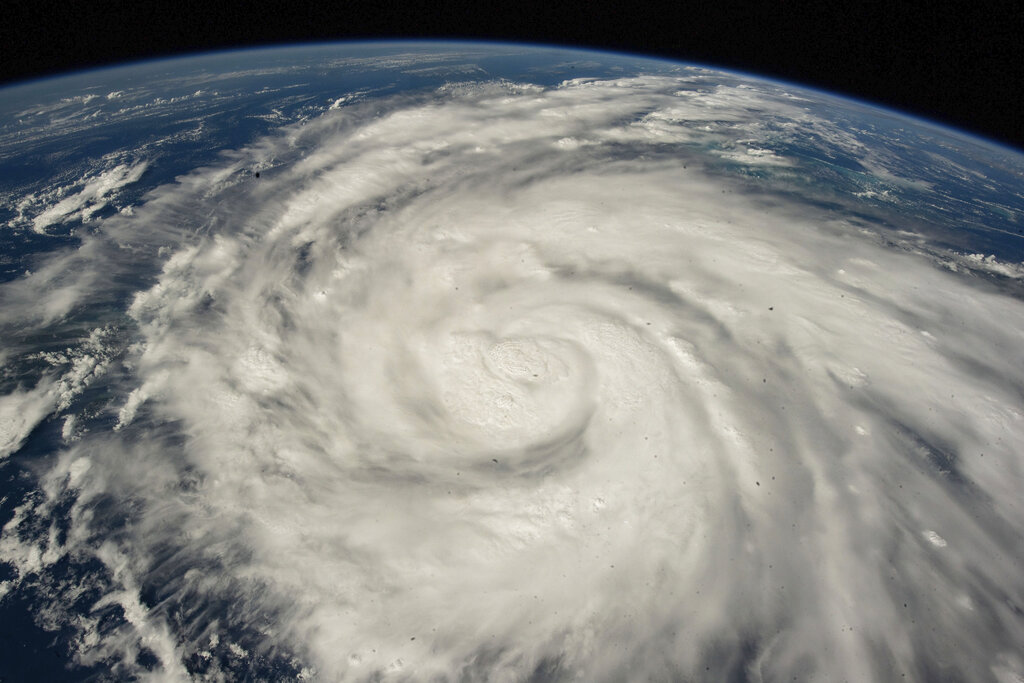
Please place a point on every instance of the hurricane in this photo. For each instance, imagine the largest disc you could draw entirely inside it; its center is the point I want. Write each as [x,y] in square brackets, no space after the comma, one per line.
[506,381]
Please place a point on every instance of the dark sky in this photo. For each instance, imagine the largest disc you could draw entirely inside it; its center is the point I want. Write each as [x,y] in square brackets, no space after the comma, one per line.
[959,63]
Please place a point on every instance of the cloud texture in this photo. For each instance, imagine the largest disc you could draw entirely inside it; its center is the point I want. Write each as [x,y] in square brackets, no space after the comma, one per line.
[503,382]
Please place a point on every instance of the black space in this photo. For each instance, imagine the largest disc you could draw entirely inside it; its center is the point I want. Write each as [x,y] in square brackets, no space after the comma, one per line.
[958,63]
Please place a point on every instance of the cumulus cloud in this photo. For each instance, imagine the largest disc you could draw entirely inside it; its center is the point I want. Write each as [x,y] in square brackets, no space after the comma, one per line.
[443,395]
[93,195]
[20,412]
[80,200]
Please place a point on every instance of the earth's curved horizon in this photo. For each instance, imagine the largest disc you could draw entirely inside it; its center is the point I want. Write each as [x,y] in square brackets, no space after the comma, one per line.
[978,135]
[462,361]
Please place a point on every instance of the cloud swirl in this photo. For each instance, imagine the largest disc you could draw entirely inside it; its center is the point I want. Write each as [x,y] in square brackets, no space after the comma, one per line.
[503,382]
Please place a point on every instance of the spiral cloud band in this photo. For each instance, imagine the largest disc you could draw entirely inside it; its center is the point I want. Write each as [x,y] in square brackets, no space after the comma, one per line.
[506,382]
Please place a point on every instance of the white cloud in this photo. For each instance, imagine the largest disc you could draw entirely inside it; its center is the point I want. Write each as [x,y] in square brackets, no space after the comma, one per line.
[993,265]
[20,412]
[94,194]
[479,383]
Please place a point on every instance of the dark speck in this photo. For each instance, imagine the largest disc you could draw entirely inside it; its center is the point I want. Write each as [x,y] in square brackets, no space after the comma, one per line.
[494,460]
[771,308]
[257,174]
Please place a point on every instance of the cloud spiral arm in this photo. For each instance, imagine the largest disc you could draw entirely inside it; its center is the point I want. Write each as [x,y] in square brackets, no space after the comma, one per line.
[503,381]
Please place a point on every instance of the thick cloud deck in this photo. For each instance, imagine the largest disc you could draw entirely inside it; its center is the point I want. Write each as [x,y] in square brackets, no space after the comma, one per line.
[512,382]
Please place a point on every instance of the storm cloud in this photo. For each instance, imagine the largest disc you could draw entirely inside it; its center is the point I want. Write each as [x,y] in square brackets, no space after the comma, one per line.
[503,381]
